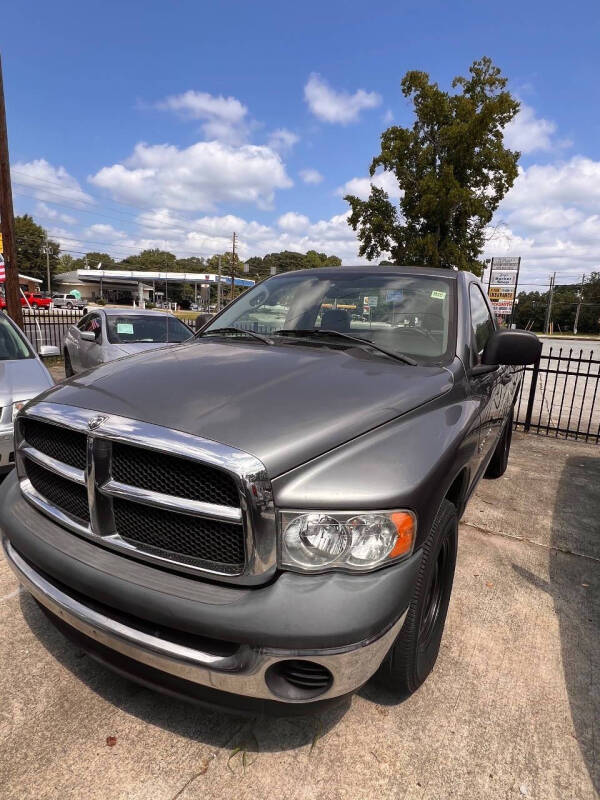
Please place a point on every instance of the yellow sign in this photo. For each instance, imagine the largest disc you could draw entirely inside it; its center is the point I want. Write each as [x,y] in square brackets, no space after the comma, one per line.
[1,244]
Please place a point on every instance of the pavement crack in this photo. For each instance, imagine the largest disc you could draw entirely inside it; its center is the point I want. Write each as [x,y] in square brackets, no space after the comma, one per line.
[512,536]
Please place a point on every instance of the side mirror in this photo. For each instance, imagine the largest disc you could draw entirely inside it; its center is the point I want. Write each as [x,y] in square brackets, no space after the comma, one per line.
[87,336]
[48,350]
[514,348]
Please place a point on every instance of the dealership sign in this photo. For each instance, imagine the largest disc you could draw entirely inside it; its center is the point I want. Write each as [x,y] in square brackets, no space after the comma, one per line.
[502,286]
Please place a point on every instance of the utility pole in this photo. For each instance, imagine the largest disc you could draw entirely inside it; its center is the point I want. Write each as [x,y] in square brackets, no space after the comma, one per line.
[579,304]
[48,266]
[549,306]
[7,217]
[232,265]
[219,287]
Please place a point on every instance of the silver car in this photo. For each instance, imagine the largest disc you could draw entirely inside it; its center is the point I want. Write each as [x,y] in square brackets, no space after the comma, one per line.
[109,333]
[22,376]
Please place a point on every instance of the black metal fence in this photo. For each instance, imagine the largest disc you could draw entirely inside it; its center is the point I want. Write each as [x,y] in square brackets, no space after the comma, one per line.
[49,327]
[560,395]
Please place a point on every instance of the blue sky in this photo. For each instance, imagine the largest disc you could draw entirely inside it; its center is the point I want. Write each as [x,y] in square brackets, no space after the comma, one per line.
[171,124]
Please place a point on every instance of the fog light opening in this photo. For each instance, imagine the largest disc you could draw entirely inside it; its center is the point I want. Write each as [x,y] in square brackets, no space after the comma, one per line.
[296,679]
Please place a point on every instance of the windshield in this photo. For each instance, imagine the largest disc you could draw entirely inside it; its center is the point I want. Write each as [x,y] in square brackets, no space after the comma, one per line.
[407,313]
[138,328]
[12,344]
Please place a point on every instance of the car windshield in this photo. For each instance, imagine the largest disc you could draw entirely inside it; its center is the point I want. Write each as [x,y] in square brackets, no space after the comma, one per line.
[403,313]
[12,344]
[138,328]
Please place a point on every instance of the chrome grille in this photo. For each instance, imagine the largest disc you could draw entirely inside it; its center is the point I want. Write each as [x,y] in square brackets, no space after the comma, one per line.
[170,475]
[195,540]
[64,494]
[64,445]
[157,494]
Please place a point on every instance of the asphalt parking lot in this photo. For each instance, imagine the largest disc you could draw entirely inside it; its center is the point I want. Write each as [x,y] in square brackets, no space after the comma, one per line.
[511,710]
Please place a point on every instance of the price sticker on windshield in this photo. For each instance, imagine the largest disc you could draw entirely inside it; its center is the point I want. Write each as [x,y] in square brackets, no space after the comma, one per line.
[125,327]
[438,295]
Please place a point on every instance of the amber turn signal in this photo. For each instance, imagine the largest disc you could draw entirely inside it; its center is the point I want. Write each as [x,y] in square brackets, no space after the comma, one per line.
[405,528]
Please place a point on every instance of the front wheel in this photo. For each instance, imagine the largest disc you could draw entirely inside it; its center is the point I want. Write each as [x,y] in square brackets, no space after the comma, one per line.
[414,653]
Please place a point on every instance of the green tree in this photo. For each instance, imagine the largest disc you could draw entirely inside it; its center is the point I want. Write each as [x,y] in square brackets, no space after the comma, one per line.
[65,263]
[153,260]
[92,259]
[31,241]
[452,169]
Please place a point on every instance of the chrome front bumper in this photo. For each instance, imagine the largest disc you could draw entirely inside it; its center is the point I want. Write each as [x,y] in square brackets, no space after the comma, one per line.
[241,673]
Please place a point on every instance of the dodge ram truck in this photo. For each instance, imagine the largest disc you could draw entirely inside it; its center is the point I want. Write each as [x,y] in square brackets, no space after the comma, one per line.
[266,516]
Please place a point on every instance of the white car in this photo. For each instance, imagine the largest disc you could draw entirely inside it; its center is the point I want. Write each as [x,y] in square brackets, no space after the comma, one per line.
[22,376]
[68,301]
[109,333]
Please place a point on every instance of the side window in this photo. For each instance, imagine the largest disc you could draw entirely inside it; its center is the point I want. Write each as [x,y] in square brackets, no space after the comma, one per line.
[482,324]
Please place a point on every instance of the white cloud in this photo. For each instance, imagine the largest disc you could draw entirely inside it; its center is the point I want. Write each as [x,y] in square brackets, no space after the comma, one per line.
[293,222]
[361,187]
[388,116]
[47,183]
[47,212]
[225,118]
[311,175]
[330,105]
[527,133]
[282,140]
[550,218]
[199,177]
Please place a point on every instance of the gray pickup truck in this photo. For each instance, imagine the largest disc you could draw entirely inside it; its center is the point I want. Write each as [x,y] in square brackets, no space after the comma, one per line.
[266,517]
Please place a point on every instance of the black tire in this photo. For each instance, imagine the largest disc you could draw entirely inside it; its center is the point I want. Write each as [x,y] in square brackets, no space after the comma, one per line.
[68,366]
[69,305]
[497,466]
[414,653]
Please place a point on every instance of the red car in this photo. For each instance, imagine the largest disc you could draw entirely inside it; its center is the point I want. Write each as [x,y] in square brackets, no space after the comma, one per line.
[34,300]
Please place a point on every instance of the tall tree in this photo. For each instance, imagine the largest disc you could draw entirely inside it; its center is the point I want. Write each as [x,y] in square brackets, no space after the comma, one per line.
[152,260]
[31,240]
[452,169]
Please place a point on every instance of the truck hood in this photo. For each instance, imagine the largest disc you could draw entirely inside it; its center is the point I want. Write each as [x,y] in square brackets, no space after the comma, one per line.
[21,379]
[284,404]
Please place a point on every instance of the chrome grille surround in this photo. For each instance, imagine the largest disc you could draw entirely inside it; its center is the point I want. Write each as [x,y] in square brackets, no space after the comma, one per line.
[255,512]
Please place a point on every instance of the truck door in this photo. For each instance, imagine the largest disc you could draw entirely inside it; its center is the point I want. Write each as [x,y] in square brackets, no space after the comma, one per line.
[486,387]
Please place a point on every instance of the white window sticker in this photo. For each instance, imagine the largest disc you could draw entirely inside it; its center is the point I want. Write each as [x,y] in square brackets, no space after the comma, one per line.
[124,327]
[438,295]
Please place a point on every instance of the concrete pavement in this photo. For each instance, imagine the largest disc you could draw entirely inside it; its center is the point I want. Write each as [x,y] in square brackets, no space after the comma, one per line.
[510,711]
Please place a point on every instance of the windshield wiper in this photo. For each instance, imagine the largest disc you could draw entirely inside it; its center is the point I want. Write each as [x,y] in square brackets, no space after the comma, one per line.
[350,337]
[238,331]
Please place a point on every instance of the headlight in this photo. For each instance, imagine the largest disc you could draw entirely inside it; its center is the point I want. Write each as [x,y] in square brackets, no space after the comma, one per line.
[17,406]
[320,540]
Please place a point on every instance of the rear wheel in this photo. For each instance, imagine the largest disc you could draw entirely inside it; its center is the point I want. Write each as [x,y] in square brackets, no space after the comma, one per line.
[414,653]
[69,305]
[68,366]
[497,466]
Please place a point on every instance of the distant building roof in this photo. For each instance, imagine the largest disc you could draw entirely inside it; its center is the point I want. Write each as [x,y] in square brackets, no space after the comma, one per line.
[134,276]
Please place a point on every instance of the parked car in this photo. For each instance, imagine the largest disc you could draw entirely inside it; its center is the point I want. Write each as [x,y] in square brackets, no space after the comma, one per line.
[68,301]
[22,376]
[33,300]
[269,518]
[110,333]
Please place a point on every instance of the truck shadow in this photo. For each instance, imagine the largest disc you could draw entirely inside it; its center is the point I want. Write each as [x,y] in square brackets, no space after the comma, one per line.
[574,585]
[243,733]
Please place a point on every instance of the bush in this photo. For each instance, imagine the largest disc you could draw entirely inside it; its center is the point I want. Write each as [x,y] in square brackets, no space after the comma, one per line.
[101,301]
[150,305]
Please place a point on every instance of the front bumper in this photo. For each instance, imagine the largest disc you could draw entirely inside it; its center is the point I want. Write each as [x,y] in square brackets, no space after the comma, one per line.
[162,620]
[243,672]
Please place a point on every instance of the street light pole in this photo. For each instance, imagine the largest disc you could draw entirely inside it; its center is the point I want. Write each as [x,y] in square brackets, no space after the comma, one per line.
[549,306]
[48,267]
[232,266]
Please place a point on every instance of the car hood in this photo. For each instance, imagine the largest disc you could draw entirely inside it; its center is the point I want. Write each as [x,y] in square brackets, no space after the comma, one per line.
[136,347]
[21,379]
[284,404]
